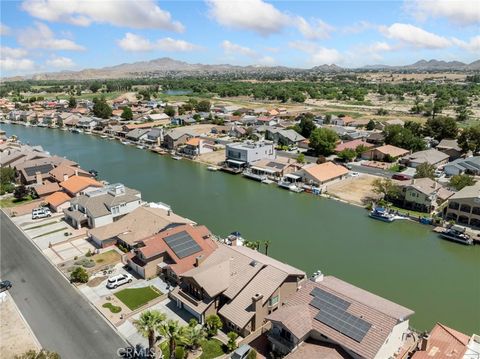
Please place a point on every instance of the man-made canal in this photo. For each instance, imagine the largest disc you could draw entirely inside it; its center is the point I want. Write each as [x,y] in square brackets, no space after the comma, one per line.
[402,261]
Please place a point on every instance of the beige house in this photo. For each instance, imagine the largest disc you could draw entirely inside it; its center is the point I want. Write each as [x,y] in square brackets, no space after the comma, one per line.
[241,285]
[329,318]
[464,206]
[430,156]
[320,174]
[385,152]
[423,194]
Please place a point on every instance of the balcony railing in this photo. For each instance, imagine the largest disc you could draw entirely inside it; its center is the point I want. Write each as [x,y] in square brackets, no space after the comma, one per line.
[276,339]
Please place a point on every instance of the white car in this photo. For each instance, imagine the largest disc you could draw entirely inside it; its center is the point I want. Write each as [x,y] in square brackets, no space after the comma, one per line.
[118,280]
[354,174]
[42,212]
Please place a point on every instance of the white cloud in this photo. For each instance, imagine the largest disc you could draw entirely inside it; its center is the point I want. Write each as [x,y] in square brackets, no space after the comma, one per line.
[358,27]
[266,60]
[380,47]
[460,12]
[316,30]
[16,65]
[136,43]
[234,49]
[253,15]
[140,14]
[12,52]
[473,45]
[60,62]
[41,37]
[415,36]
[318,55]
[4,29]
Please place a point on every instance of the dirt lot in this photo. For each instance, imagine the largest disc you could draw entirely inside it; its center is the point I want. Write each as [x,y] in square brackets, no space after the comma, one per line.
[16,336]
[354,189]
[213,158]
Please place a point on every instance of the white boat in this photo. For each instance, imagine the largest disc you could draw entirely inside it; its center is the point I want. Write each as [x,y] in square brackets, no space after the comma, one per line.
[267,181]
[103,136]
[212,168]
[254,176]
[295,188]
[177,158]
[123,142]
[140,147]
[382,215]
[457,234]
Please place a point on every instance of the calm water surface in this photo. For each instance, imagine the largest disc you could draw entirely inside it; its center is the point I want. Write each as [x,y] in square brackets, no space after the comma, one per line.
[402,261]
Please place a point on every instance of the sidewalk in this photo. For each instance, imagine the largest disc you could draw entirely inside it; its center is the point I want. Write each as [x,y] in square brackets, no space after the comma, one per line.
[16,337]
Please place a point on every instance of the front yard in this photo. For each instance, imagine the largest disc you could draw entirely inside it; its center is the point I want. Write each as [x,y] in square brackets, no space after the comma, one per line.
[134,298]
[211,348]
[12,201]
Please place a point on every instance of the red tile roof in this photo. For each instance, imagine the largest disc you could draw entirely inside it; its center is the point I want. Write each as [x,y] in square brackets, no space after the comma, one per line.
[76,184]
[352,145]
[444,342]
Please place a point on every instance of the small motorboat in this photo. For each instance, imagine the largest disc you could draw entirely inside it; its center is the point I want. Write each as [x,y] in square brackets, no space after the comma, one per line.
[381,214]
[103,136]
[140,147]
[125,142]
[177,158]
[457,234]
[212,168]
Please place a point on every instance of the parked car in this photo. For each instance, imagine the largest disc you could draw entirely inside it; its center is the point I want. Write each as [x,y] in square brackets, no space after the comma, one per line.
[118,280]
[401,177]
[41,212]
[354,174]
[5,285]
[241,352]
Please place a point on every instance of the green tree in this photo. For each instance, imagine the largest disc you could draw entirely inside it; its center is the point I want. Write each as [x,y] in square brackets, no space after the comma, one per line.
[213,323]
[232,341]
[127,114]
[252,354]
[417,106]
[21,192]
[7,175]
[79,275]
[175,335]
[95,86]
[148,324]
[461,180]
[361,149]
[101,108]
[386,187]
[195,334]
[441,127]
[169,111]
[400,136]
[425,170]
[469,139]
[42,354]
[203,106]
[348,154]
[301,158]
[463,113]
[306,124]
[371,125]
[323,141]
[72,102]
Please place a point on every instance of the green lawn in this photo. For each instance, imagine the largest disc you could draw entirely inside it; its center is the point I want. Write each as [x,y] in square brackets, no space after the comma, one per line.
[212,348]
[12,201]
[113,308]
[410,212]
[134,298]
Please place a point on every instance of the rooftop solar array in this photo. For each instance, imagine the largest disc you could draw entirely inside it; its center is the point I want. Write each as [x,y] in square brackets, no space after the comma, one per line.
[182,244]
[332,312]
[30,171]
[275,165]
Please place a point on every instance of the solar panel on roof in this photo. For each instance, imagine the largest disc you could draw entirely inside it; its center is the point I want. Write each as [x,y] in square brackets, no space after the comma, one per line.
[30,171]
[332,312]
[182,244]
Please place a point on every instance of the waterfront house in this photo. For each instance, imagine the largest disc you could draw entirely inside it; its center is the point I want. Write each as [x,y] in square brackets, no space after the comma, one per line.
[38,170]
[444,342]
[103,206]
[77,185]
[320,174]
[139,224]
[63,172]
[430,156]
[176,137]
[58,201]
[172,252]
[71,121]
[239,284]
[46,188]
[464,206]
[240,155]
[196,146]
[137,135]
[273,169]
[284,137]
[352,145]
[469,165]
[154,136]
[145,125]
[155,117]
[328,317]
[13,156]
[451,148]
[422,194]
[87,123]
[385,153]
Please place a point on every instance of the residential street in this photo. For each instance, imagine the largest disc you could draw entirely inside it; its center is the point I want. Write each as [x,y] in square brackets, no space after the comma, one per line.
[61,318]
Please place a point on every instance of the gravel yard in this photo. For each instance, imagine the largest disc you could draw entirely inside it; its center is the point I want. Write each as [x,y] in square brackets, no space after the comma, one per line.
[354,189]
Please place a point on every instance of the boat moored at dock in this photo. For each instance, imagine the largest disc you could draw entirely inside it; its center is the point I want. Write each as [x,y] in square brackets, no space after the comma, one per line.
[457,234]
[381,214]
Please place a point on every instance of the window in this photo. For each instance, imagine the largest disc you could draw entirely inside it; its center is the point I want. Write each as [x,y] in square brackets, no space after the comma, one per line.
[274,300]
[465,208]
[453,205]
[476,210]
[115,210]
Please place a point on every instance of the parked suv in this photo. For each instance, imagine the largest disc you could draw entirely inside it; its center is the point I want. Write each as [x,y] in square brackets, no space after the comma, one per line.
[5,285]
[118,280]
[241,352]
[42,212]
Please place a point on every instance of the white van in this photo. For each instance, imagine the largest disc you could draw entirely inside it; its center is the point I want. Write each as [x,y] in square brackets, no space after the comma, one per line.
[118,280]
[41,212]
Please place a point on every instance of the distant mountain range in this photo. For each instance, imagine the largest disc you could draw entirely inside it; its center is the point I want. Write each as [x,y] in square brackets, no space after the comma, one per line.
[165,66]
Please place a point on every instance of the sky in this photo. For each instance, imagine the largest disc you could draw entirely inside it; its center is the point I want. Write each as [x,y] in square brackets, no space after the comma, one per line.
[55,35]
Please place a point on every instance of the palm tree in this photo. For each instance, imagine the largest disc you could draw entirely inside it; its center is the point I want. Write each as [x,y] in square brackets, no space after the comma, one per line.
[175,335]
[195,334]
[147,325]
[266,244]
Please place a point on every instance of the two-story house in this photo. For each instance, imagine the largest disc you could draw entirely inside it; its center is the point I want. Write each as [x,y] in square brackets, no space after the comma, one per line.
[240,155]
[464,206]
[283,137]
[330,318]
[103,206]
[239,284]
[422,194]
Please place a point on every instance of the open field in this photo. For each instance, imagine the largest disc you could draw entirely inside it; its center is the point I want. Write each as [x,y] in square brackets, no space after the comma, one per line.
[354,189]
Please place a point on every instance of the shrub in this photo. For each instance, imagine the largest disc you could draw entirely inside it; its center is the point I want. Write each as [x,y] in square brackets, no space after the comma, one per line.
[179,353]
[87,263]
[113,308]
[88,254]
[213,323]
[232,341]
[79,275]
[252,354]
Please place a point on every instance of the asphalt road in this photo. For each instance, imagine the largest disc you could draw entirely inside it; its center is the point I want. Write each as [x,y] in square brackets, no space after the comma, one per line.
[60,317]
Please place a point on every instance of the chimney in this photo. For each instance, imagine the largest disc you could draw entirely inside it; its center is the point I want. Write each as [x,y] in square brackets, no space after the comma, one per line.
[199,260]
[168,213]
[38,177]
[424,343]
[65,177]
[76,171]
[257,307]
